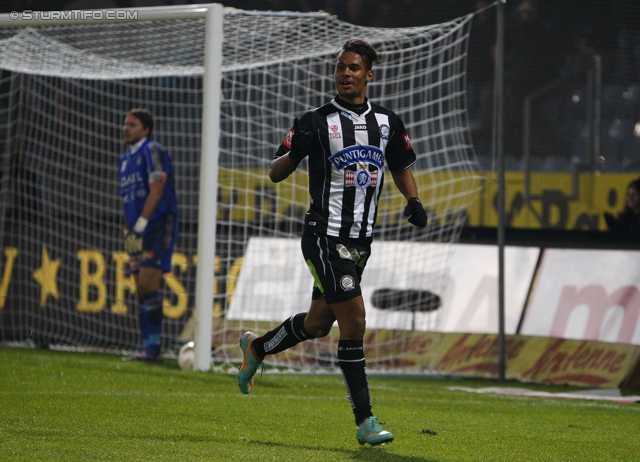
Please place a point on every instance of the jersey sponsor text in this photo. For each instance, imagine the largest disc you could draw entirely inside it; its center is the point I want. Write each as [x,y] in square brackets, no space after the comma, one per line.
[355,154]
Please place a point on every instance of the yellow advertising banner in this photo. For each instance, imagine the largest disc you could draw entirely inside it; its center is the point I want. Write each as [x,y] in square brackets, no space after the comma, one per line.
[557,200]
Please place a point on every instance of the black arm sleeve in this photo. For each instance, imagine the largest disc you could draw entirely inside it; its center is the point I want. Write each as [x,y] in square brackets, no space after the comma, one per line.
[399,153]
[306,124]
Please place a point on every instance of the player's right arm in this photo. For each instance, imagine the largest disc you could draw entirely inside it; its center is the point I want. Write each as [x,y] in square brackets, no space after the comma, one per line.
[291,151]
[281,168]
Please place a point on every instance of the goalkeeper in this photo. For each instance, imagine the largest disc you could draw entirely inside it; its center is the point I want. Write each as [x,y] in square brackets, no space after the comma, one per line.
[151,223]
[347,141]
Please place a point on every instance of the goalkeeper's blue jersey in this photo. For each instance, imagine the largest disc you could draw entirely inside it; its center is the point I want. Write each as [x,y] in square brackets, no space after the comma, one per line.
[149,163]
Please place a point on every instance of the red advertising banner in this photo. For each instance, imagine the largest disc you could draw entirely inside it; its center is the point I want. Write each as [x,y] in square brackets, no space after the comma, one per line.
[538,359]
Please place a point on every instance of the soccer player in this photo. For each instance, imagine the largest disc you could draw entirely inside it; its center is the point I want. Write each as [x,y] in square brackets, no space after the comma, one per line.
[347,141]
[151,223]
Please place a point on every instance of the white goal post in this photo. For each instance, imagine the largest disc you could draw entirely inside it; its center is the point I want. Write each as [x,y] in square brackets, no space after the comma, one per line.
[224,86]
[213,15]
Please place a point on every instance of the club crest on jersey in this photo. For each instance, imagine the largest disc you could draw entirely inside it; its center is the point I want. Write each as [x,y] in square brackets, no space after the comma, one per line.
[384,131]
[361,178]
[358,154]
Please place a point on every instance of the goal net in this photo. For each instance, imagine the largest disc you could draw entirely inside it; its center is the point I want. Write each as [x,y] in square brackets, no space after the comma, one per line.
[64,92]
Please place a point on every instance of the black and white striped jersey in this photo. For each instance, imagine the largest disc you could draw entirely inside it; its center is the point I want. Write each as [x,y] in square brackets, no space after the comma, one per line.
[346,164]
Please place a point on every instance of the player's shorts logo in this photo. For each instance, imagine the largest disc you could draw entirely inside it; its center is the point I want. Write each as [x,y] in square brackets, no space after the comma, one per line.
[148,255]
[134,262]
[347,283]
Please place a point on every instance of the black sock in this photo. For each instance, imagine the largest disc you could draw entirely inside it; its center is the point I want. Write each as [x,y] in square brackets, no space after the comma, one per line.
[288,334]
[352,363]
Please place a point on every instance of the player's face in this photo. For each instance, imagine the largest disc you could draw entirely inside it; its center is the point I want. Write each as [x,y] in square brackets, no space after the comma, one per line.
[351,77]
[133,130]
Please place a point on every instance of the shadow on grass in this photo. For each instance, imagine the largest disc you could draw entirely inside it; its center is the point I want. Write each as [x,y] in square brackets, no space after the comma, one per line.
[359,453]
[367,453]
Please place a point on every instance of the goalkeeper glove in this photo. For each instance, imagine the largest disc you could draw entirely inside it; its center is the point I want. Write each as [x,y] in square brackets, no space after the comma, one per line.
[133,242]
[133,239]
[300,141]
[415,213]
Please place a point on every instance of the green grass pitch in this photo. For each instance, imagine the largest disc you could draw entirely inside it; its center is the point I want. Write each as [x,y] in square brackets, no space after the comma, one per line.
[85,406]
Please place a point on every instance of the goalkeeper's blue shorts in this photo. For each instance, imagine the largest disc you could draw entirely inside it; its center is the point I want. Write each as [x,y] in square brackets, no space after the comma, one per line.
[158,242]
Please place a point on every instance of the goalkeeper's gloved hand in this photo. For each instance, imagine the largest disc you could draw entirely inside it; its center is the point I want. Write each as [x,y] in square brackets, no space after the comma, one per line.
[133,239]
[416,213]
[300,141]
[133,242]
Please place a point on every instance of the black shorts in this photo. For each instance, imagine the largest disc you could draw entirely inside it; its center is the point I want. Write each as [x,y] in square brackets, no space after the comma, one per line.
[336,265]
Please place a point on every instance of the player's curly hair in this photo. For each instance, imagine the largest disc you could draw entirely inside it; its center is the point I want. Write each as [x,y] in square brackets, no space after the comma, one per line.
[144,116]
[364,49]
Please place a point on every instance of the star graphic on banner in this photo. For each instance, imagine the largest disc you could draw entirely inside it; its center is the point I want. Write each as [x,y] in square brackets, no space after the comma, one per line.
[46,276]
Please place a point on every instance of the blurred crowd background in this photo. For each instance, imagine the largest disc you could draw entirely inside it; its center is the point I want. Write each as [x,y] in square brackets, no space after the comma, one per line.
[576,63]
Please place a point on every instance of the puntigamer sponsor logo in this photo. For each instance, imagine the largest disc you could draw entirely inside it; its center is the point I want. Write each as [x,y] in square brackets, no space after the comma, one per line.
[355,154]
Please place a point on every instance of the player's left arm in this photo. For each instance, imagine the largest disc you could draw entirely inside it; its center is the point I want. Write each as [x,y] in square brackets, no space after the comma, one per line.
[157,174]
[156,191]
[156,183]
[133,238]
[406,183]
[400,159]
